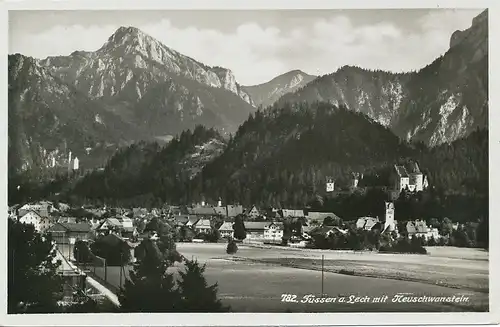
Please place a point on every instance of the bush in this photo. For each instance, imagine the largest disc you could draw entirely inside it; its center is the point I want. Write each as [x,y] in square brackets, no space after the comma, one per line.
[213,236]
[232,248]
[115,251]
[81,252]
[405,245]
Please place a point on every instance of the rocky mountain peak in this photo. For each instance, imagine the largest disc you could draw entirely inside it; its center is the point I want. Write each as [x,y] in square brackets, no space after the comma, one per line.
[476,33]
[130,40]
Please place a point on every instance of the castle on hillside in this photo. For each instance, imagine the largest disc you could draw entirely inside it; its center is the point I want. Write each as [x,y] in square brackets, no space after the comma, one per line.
[409,177]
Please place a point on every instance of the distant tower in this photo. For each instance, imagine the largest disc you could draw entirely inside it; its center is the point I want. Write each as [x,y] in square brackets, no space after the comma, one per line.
[390,223]
[355,180]
[53,162]
[69,161]
[330,185]
[219,203]
[76,163]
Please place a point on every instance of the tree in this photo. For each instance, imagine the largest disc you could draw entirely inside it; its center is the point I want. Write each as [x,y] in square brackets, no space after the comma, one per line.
[240,232]
[33,283]
[213,236]
[329,221]
[82,252]
[196,295]
[287,231]
[232,247]
[483,233]
[150,288]
[186,234]
[167,247]
[112,248]
[158,226]
[434,222]
[446,227]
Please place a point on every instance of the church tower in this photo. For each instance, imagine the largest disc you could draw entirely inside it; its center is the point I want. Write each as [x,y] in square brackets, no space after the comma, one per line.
[390,223]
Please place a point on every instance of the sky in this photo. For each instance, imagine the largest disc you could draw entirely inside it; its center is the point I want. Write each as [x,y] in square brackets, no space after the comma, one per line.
[257,45]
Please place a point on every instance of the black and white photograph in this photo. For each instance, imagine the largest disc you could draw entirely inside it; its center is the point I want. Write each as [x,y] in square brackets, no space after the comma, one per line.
[248,161]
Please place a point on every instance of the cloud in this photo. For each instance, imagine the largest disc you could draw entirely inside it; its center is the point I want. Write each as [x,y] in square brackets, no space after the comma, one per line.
[258,53]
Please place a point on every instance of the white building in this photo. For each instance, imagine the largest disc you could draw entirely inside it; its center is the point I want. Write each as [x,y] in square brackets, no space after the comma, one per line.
[203,226]
[40,223]
[409,177]
[330,185]
[226,230]
[273,232]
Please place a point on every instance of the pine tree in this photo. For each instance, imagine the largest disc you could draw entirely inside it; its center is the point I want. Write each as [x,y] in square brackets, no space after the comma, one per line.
[33,283]
[150,287]
[196,295]
[232,247]
[239,228]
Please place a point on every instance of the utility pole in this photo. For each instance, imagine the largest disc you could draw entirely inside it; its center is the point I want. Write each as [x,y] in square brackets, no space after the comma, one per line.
[121,268]
[322,274]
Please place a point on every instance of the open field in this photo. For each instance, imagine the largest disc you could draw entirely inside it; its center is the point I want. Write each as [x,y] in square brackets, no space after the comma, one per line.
[256,277]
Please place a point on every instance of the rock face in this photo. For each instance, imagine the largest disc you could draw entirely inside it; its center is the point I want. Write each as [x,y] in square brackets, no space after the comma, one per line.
[152,86]
[267,93]
[109,71]
[133,88]
[446,100]
[48,119]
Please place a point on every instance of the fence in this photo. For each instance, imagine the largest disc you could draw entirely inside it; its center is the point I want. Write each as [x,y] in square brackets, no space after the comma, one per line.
[99,267]
[113,277]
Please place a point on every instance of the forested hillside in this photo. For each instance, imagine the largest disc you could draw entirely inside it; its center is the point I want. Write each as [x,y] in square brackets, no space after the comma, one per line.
[147,174]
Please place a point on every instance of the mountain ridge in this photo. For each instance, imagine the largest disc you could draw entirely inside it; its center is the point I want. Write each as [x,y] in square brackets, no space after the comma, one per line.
[437,104]
[265,94]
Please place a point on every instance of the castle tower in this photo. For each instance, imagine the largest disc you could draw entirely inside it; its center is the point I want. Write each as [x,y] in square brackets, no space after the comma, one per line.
[76,163]
[330,185]
[219,203]
[390,223]
[69,161]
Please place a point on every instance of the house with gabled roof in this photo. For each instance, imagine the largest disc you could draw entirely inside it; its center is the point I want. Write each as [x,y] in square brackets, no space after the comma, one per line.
[273,231]
[202,211]
[180,220]
[252,212]
[232,210]
[323,230]
[203,226]
[368,223]
[40,223]
[66,233]
[317,218]
[221,211]
[42,208]
[192,220]
[226,229]
[419,228]
[294,213]
[110,225]
[255,229]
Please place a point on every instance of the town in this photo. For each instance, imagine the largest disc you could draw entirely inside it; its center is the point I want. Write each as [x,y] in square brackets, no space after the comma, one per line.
[91,241]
